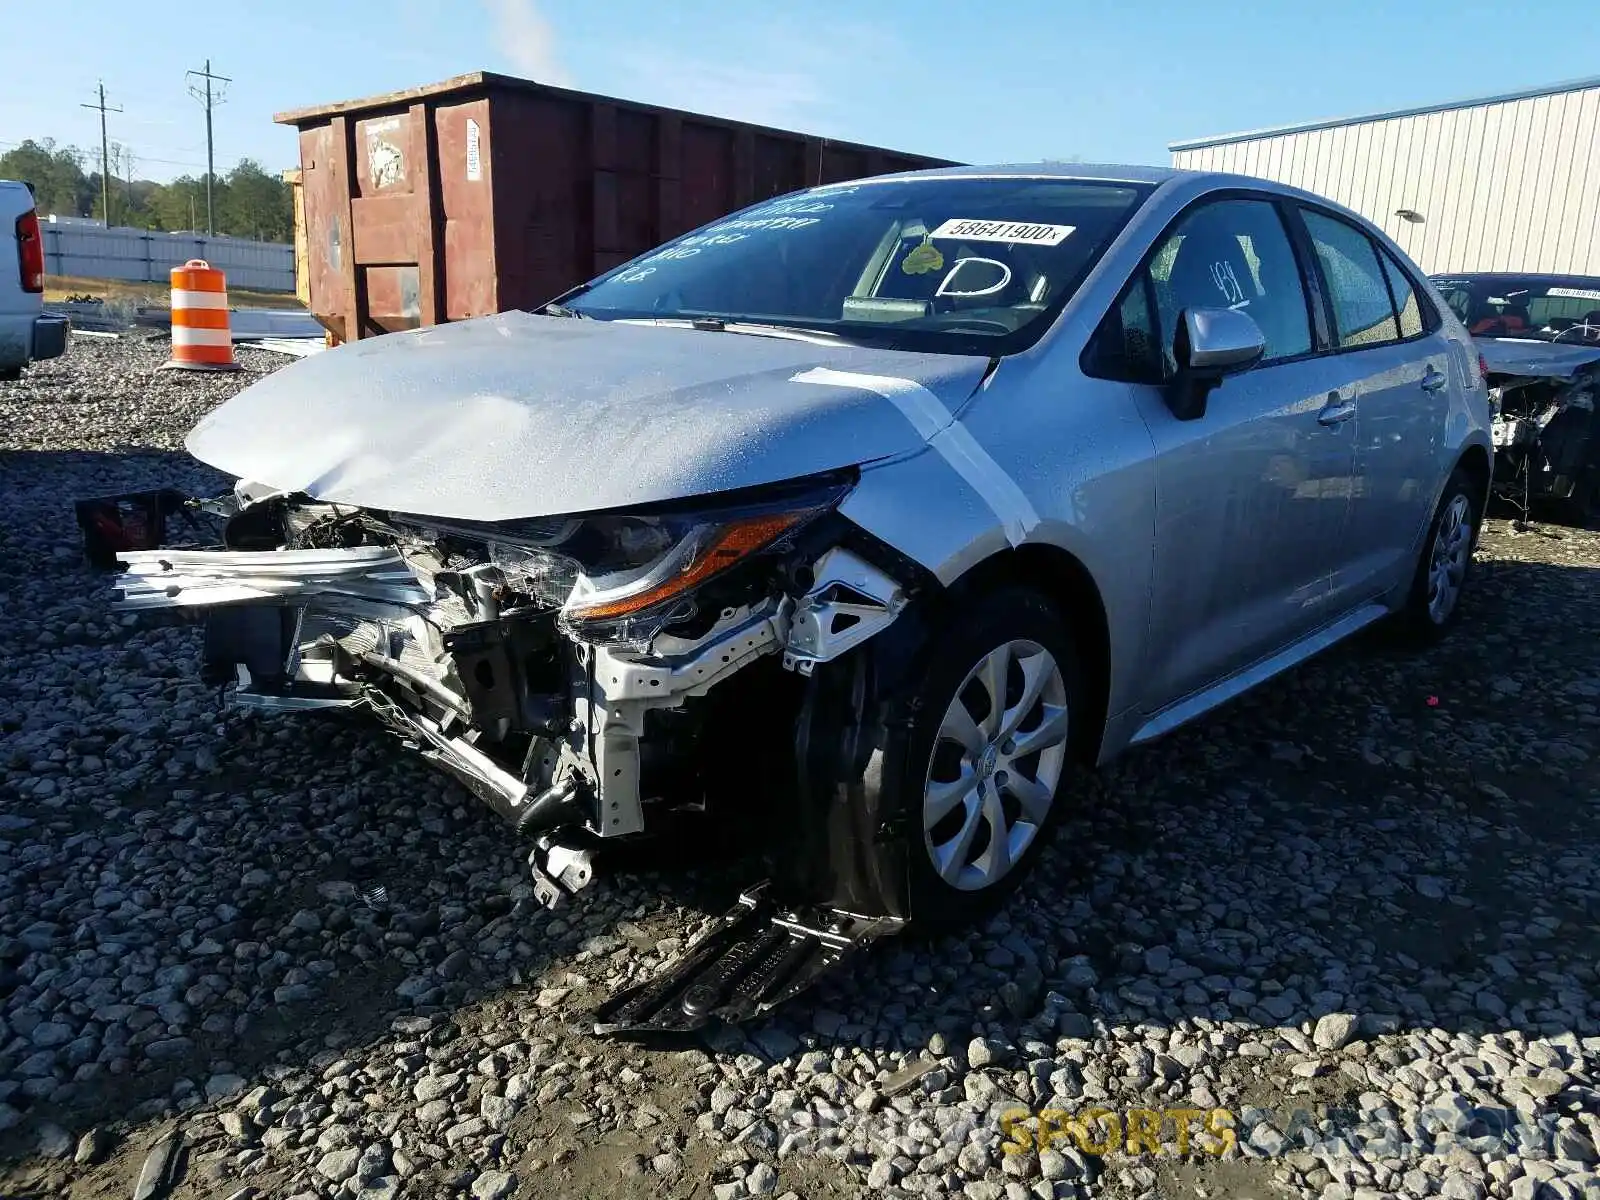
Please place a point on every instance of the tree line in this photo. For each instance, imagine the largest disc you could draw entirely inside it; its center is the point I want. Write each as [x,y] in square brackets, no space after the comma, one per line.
[248,202]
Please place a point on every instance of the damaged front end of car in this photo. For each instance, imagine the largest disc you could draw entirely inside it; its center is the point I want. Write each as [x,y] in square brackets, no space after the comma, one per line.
[1543,399]
[593,677]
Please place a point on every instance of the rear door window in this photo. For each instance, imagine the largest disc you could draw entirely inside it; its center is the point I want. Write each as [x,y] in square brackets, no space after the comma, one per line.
[1363,314]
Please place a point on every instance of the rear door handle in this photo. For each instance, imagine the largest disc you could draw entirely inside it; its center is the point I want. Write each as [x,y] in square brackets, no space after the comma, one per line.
[1338,410]
[1433,380]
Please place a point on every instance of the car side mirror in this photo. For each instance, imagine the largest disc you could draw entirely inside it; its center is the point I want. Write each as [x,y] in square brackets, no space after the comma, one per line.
[1209,345]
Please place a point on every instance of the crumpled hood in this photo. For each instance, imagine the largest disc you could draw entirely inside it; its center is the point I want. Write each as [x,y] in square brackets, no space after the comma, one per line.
[518,415]
[1544,359]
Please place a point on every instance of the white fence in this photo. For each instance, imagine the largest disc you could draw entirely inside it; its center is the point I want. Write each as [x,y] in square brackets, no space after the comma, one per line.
[145,257]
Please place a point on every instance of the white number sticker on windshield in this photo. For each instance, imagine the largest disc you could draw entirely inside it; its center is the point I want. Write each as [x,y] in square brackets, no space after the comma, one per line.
[970,230]
[1574,293]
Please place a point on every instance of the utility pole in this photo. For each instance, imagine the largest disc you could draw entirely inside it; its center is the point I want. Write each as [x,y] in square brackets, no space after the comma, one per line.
[105,155]
[205,96]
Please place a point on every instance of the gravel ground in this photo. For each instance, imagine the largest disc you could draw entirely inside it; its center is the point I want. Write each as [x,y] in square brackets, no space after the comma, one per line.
[1357,910]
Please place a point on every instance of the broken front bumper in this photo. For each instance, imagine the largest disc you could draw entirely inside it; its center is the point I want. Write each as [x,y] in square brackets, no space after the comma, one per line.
[298,630]
[369,628]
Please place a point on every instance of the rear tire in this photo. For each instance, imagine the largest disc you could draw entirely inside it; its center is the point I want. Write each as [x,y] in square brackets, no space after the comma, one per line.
[1434,602]
[983,775]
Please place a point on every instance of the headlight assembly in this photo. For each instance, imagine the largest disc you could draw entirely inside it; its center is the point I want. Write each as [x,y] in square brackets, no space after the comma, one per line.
[619,567]
[705,551]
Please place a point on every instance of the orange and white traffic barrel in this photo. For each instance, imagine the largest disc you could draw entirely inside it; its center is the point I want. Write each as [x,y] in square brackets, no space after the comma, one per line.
[202,339]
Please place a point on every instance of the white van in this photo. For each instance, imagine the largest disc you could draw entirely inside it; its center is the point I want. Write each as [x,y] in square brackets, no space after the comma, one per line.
[26,335]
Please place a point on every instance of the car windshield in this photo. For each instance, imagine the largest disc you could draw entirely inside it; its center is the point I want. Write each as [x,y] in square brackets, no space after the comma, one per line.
[1521,306]
[969,266]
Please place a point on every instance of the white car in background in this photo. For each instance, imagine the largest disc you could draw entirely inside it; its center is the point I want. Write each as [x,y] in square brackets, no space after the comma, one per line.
[26,334]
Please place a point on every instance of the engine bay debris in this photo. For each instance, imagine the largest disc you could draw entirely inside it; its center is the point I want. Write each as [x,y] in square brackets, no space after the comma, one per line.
[1543,399]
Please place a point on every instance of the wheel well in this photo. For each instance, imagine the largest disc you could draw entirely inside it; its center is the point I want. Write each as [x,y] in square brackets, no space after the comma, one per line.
[1068,584]
[1475,461]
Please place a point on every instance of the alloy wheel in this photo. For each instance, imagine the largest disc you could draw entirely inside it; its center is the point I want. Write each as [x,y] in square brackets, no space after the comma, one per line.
[997,758]
[1447,565]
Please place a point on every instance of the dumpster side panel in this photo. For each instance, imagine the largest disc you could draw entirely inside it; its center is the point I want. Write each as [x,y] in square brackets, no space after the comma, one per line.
[543,202]
[638,219]
[464,247]
[780,165]
[706,173]
[324,194]
[840,163]
[390,156]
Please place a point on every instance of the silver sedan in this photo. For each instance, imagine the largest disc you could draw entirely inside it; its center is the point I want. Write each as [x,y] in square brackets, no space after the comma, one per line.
[854,519]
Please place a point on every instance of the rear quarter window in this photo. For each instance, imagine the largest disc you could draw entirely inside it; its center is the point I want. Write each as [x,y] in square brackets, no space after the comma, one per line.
[1406,301]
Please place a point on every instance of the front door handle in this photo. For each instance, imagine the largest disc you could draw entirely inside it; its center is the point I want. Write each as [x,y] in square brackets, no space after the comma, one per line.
[1337,412]
[1433,380]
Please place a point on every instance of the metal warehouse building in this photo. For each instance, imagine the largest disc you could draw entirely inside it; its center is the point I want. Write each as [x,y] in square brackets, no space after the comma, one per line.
[1505,183]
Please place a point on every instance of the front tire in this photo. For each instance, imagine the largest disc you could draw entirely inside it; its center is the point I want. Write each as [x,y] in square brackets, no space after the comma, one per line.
[990,749]
[1434,602]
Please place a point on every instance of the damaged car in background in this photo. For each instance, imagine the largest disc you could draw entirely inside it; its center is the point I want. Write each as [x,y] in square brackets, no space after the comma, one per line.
[1539,336]
[853,522]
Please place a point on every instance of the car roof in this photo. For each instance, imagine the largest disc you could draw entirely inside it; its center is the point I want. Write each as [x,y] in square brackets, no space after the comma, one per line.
[1044,169]
[1101,173]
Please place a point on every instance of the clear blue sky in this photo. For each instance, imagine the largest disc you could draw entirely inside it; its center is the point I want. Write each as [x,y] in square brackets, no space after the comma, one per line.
[992,81]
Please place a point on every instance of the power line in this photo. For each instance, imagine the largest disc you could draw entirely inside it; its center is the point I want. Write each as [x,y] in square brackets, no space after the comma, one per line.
[146,158]
[206,98]
[169,162]
[105,159]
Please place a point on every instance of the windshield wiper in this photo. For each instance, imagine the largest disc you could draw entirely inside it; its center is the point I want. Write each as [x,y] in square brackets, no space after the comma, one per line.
[554,309]
[559,307]
[795,333]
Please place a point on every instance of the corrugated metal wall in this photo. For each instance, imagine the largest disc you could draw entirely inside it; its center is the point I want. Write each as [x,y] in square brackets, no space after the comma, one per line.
[1504,186]
[145,257]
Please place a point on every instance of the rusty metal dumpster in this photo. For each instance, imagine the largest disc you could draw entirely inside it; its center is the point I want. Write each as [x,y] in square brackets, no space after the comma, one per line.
[487,192]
